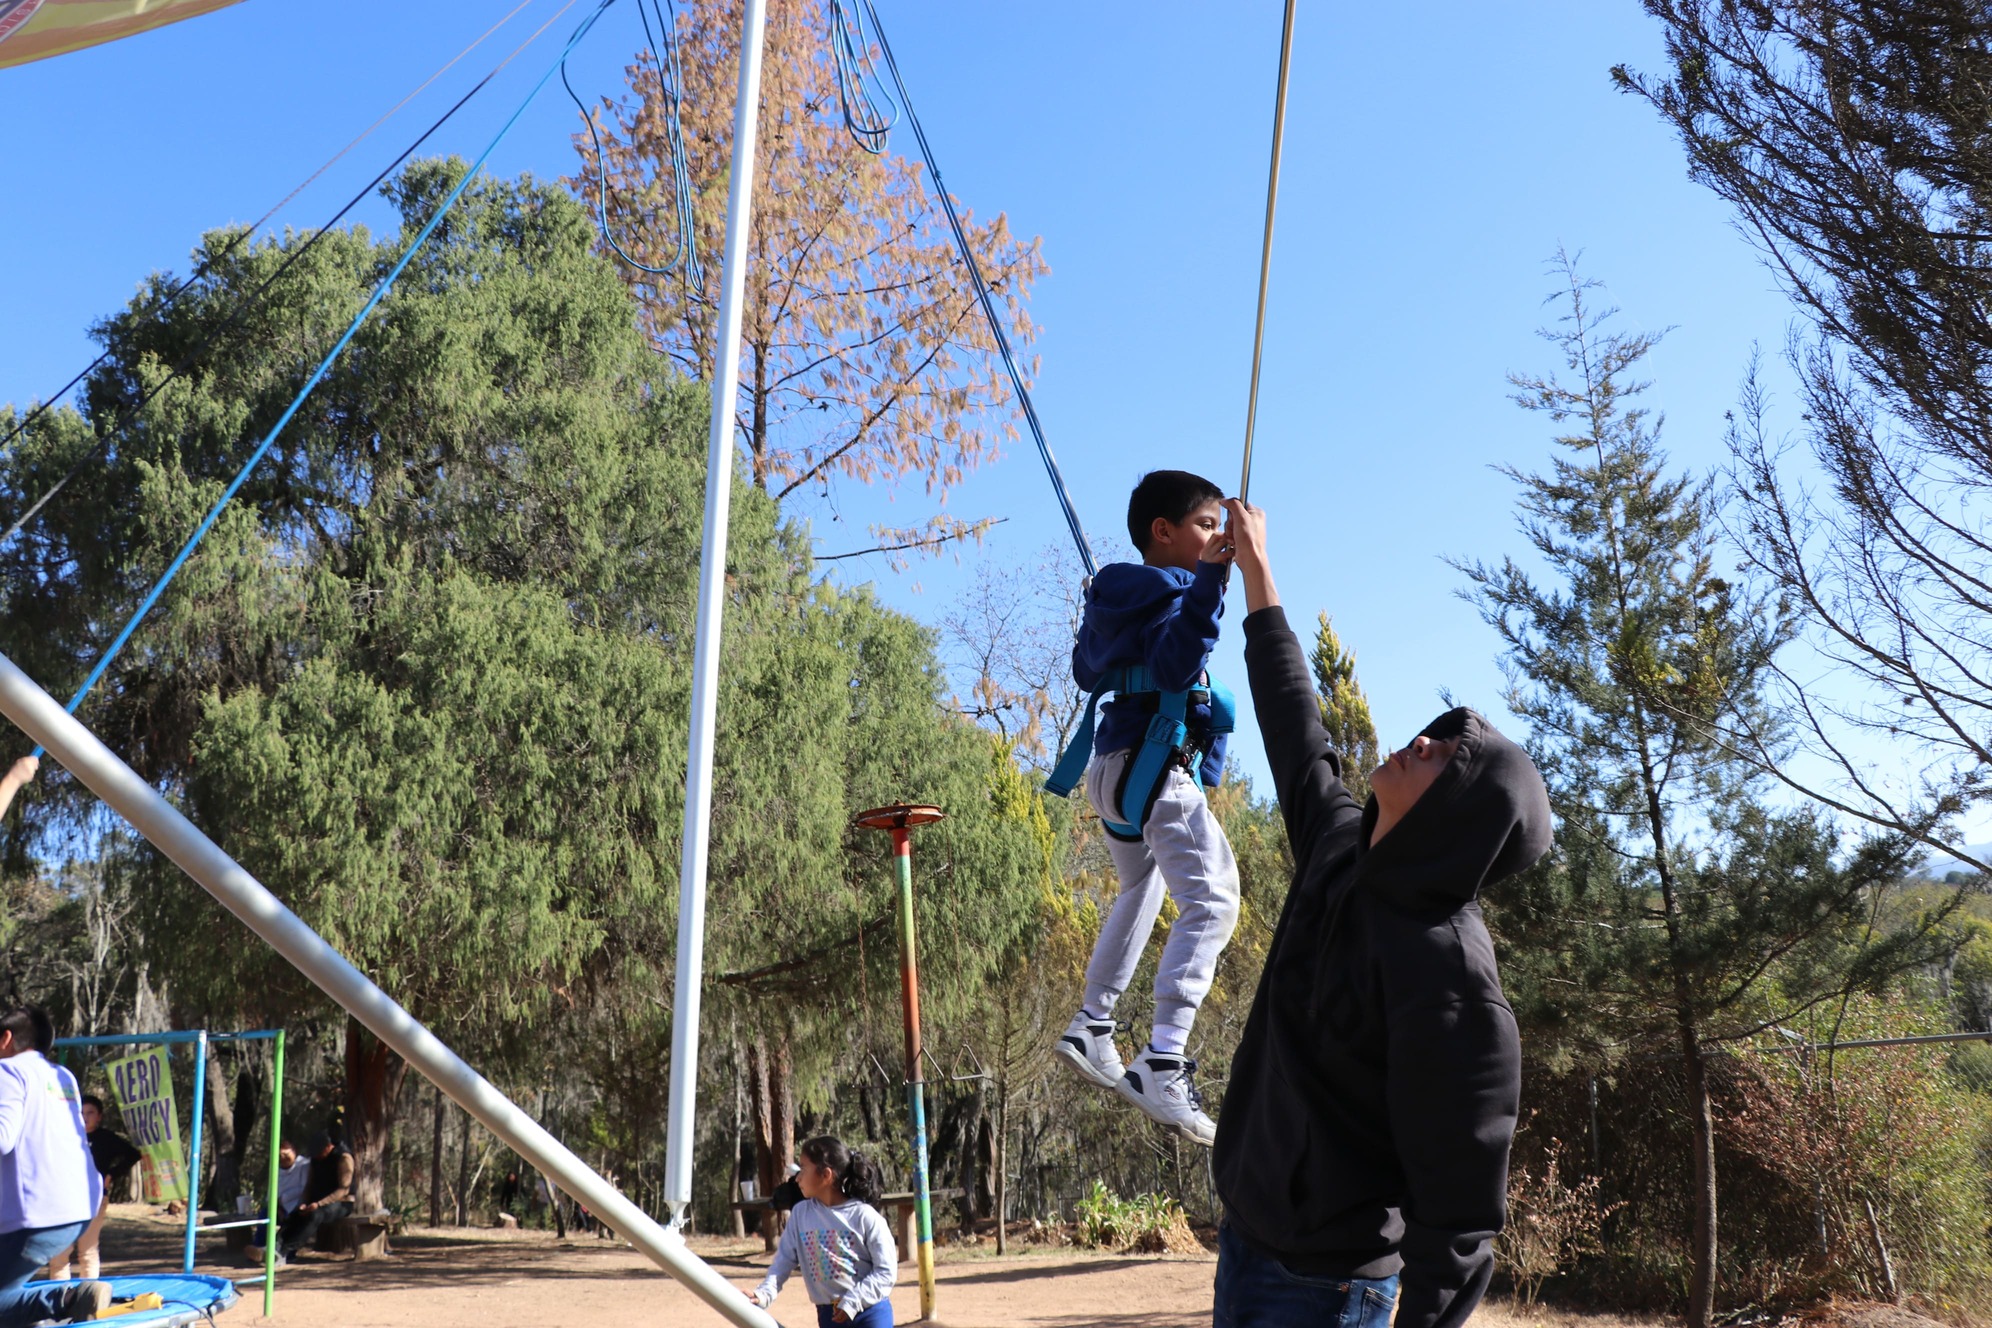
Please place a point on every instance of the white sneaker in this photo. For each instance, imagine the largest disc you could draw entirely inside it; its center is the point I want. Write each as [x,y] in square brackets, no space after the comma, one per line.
[1161,1086]
[1088,1047]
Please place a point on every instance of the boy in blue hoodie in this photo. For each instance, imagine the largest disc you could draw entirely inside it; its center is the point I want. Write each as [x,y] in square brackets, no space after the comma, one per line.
[1160,614]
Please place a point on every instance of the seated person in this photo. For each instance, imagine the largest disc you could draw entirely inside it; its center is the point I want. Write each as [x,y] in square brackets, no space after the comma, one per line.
[292,1174]
[788,1194]
[114,1157]
[328,1196]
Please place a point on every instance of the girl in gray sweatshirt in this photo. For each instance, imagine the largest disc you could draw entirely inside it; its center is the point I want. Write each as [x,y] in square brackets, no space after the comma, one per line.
[839,1239]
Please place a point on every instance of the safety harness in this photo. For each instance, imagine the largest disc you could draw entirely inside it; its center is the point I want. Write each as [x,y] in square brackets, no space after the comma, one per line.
[1167,743]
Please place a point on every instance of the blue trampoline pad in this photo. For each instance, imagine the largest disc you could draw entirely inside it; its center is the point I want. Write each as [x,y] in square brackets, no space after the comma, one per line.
[189,1298]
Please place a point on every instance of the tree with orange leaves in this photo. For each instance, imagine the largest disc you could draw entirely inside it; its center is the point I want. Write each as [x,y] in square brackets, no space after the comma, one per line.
[864,354]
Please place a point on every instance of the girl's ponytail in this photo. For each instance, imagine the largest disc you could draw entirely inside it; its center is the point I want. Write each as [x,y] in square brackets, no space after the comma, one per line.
[861,1180]
[857,1175]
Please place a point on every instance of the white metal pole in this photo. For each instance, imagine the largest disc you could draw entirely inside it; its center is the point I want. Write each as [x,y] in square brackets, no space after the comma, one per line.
[705,654]
[42,718]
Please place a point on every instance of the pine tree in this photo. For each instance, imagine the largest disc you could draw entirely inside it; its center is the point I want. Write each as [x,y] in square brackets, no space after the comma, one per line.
[1850,139]
[1681,910]
[1345,711]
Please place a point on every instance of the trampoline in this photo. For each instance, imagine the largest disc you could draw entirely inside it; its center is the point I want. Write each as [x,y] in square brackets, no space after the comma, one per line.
[184,1298]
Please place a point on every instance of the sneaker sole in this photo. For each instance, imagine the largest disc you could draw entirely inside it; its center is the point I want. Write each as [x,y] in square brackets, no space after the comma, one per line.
[1084,1068]
[1181,1131]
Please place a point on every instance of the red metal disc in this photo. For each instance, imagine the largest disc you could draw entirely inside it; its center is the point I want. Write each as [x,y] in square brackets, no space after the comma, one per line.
[900,817]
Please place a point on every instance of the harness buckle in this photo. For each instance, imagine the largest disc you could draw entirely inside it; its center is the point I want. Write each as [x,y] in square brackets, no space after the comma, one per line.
[1167,731]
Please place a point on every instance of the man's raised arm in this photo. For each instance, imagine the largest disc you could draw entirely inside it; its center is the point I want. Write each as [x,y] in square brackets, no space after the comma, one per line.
[1307,770]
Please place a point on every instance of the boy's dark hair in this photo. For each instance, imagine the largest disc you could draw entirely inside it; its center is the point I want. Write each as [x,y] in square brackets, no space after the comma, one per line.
[92,1100]
[857,1176]
[30,1026]
[1169,494]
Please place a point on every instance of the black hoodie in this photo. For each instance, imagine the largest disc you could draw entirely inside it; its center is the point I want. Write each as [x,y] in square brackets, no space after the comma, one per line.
[1370,1107]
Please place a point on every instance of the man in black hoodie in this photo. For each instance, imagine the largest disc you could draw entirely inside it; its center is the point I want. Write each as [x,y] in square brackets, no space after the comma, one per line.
[1362,1153]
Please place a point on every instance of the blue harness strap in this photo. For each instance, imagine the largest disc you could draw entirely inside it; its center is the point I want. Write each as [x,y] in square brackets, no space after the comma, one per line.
[1071,767]
[1161,747]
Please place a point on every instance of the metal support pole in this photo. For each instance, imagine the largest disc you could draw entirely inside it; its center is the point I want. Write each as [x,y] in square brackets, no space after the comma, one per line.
[900,820]
[705,653]
[1597,1156]
[42,718]
[194,1143]
[270,1198]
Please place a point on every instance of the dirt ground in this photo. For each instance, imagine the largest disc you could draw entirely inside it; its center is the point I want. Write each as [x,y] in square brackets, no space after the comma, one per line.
[490,1279]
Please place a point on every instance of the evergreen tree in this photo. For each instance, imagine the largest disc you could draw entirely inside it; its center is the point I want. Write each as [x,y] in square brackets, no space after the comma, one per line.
[428,677]
[1345,711]
[1849,137]
[1681,909]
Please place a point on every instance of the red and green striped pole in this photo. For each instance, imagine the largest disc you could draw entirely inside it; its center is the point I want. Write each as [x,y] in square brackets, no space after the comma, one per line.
[900,820]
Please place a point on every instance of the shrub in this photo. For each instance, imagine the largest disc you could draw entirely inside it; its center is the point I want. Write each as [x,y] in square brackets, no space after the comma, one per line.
[1552,1223]
[1805,1144]
[1147,1223]
[1880,1152]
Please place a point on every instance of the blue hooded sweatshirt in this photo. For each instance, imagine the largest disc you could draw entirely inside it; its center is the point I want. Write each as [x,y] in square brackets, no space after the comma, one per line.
[1160,617]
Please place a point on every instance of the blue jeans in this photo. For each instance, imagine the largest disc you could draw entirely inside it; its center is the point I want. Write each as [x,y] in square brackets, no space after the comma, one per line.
[874,1316]
[1255,1290]
[300,1230]
[22,1254]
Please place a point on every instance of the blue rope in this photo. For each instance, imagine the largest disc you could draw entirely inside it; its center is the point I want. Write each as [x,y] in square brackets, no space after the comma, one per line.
[858,86]
[379,293]
[671,84]
[974,269]
[684,195]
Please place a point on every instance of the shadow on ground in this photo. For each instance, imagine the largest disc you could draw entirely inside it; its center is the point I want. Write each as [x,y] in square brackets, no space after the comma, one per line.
[489,1279]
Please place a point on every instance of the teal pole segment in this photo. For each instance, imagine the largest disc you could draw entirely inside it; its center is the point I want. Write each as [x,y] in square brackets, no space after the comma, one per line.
[916,1108]
[194,1146]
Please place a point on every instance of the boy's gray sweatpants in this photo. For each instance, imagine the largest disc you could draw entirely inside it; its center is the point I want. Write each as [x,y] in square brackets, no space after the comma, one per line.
[1184,853]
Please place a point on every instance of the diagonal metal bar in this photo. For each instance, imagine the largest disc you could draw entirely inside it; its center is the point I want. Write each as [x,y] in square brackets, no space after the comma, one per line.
[81,753]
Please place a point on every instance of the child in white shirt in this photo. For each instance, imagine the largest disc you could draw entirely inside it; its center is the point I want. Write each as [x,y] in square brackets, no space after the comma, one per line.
[839,1239]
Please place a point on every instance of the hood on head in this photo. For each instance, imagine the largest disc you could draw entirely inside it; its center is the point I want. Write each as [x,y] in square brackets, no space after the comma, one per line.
[1485,818]
[1125,595]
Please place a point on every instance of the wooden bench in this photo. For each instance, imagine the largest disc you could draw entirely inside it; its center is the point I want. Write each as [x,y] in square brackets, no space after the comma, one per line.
[362,1235]
[902,1210]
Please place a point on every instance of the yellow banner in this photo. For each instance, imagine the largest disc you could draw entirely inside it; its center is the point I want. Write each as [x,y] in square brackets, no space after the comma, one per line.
[37,29]
[142,1083]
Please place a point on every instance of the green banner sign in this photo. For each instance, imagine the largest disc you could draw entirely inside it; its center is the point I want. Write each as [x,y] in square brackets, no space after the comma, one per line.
[143,1086]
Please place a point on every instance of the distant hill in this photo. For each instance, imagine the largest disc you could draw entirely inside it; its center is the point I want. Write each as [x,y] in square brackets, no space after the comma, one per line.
[1938,865]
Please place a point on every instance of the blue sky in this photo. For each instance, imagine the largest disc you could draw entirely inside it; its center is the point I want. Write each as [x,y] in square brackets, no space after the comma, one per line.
[1437,156]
